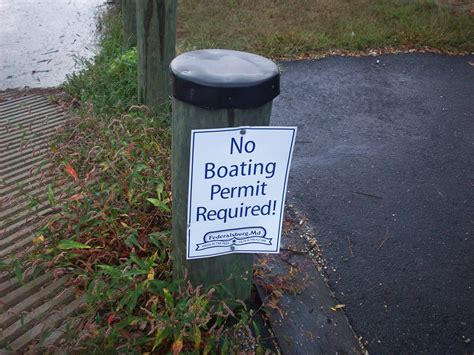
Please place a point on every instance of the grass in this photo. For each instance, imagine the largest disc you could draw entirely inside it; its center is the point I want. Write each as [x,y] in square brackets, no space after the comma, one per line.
[309,28]
[114,225]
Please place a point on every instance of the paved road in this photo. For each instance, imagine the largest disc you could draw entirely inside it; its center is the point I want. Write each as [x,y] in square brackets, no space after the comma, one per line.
[384,170]
[42,40]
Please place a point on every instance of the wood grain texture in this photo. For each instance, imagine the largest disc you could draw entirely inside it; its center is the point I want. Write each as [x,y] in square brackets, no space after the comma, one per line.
[129,21]
[230,274]
[156,42]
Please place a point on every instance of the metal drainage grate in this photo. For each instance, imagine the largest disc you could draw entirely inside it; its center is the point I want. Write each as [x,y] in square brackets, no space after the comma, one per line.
[36,311]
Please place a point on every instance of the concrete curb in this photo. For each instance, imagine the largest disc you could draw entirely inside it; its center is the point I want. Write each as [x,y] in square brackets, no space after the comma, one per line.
[301,308]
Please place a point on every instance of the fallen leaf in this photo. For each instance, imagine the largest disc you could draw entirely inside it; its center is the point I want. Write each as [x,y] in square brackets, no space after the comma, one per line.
[70,170]
[337,306]
[177,346]
[76,197]
[38,240]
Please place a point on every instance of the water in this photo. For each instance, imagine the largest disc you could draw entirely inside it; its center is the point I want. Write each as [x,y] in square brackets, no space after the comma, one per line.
[41,41]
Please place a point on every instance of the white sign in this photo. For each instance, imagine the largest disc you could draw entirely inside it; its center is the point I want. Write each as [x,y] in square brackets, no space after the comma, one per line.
[237,189]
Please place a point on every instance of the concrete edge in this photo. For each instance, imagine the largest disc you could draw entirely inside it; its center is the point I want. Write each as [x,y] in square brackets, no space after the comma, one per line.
[302,310]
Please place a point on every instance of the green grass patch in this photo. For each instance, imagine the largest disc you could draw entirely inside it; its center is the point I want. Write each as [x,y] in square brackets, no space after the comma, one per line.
[302,28]
[108,84]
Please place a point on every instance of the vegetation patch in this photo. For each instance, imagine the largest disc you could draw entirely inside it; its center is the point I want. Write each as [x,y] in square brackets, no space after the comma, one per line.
[113,226]
[297,29]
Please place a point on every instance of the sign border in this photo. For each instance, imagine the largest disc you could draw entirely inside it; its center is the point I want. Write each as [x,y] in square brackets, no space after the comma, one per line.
[285,186]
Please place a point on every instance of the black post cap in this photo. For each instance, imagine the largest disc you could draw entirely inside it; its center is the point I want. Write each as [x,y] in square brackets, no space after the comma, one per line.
[221,78]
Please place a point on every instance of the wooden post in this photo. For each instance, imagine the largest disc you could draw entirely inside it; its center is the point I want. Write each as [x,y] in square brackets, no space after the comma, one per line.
[129,21]
[214,89]
[156,28]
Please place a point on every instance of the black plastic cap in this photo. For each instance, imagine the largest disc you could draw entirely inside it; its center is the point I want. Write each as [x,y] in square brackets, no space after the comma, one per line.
[220,78]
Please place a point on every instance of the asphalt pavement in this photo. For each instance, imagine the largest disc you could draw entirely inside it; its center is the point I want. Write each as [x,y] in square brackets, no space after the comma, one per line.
[383,168]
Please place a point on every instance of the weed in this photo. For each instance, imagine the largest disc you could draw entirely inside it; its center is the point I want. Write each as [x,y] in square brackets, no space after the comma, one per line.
[301,28]
[113,224]
[108,83]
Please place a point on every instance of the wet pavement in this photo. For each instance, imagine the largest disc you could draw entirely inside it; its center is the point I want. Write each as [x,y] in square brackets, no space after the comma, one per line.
[41,41]
[383,168]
